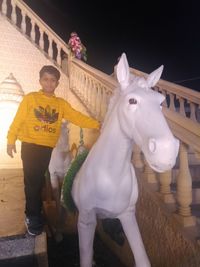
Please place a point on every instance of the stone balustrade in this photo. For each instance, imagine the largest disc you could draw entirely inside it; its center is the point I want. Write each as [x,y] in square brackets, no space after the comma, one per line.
[92,86]
[35,29]
[179,99]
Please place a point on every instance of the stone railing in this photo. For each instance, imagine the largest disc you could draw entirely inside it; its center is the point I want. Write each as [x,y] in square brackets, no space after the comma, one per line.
[38,32]
[94,89]
[179,99]
[92,86]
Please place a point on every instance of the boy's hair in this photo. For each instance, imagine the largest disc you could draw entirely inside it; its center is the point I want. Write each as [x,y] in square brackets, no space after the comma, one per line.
[51,70]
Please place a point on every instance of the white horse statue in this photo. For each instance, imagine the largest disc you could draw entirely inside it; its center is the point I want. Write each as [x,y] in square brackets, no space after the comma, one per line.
[106,185]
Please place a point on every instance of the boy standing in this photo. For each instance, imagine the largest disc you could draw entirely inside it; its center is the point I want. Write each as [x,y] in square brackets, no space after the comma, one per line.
[37,125]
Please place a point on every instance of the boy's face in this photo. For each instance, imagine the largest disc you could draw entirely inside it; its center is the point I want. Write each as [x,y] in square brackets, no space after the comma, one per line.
[48,83]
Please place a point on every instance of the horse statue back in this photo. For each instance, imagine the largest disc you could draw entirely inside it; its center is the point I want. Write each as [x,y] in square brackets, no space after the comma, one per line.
[106,185]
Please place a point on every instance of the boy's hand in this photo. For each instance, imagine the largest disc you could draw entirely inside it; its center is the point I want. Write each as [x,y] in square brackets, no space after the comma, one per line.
[11,149]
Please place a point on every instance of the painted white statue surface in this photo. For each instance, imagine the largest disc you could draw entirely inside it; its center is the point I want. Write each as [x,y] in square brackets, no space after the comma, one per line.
[61,158]
[106,185]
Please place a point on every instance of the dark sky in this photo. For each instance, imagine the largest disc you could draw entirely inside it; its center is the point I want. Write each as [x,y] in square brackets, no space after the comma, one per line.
[151,34]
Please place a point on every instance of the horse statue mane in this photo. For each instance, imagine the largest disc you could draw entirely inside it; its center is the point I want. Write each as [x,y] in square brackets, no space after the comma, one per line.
[106,184]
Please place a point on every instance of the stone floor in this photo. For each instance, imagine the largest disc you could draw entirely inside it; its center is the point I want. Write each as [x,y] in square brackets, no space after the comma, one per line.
[17,248]
[11,203]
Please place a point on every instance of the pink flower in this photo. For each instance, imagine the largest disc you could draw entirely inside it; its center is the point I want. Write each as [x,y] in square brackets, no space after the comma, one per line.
[76,47]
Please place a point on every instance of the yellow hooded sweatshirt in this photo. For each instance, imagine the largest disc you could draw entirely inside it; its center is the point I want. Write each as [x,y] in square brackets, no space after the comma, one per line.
[39,117]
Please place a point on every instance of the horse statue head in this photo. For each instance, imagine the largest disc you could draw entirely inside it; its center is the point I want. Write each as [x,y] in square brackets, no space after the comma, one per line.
[106,184]
[141,118]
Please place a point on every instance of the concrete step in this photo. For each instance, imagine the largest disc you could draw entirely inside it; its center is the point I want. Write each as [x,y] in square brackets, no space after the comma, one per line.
[23,251]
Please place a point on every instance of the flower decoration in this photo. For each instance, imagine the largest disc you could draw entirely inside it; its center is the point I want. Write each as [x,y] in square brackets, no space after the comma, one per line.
[76,47]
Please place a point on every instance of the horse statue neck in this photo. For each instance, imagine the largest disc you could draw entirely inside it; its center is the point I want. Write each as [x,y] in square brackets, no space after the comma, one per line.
[116,145]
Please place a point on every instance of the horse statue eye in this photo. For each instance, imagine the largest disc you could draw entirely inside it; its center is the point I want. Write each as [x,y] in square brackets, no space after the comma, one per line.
[132,101]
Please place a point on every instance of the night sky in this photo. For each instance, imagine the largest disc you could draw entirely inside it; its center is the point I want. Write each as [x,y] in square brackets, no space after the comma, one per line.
[151,34]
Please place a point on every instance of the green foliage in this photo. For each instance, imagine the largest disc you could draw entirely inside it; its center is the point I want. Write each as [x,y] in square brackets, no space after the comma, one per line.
[76,164]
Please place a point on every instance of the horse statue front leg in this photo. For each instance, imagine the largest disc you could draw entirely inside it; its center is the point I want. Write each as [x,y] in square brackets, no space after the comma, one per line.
[86,231]
[132,232]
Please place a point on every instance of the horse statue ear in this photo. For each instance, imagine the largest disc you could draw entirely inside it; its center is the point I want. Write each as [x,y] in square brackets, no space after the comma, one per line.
[123,72]
[154,77]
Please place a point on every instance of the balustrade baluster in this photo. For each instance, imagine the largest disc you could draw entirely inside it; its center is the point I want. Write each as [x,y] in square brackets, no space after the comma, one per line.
[64,63]
[4,7]
[23,22]
[171,105]
[193,112]
[150,175]
[32,33]
[73,78]
[182,107]
[50,50]
[80,93]
[87,91]
[101,104]
[14,13]
[59,59]
[77,82]
[83,89]
[184,189]
[104,104]
[79,85]
[165,179]
[99,100]
[41,39]
[92,89]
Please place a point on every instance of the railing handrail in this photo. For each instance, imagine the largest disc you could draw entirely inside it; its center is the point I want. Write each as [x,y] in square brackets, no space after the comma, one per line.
[99,75]
[184,129]
[21,4]
[179,90]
